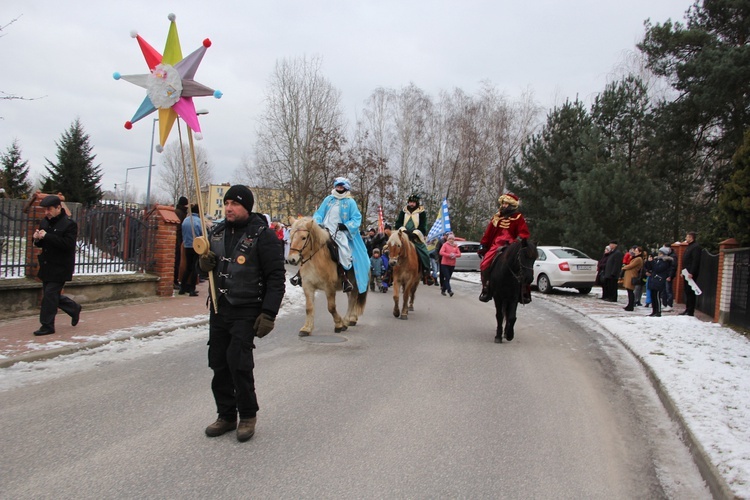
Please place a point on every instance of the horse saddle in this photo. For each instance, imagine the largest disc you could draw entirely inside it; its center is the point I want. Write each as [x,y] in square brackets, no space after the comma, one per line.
[333,249]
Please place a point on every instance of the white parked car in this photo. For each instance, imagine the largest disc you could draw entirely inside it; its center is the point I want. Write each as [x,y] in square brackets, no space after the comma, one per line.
[564,267]
[469,260]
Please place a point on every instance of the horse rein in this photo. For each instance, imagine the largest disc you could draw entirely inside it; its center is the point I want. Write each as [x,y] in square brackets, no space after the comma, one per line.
[299,250]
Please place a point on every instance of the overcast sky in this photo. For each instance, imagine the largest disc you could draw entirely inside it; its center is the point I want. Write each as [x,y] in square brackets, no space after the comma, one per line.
[66,52]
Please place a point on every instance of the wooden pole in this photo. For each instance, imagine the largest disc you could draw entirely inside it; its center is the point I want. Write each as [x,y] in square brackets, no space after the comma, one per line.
[201,244]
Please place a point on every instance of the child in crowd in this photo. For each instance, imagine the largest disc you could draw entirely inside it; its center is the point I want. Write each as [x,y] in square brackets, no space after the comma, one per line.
[376,269]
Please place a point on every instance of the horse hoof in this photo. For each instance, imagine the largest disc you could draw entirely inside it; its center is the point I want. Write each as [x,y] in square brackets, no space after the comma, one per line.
[411,308]
[498,340]
[509,337]
[404,316]
[352,323]
[396,313]
[340,329]
[303,333]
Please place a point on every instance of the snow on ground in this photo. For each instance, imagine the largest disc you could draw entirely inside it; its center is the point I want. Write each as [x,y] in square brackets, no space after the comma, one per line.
[703,367]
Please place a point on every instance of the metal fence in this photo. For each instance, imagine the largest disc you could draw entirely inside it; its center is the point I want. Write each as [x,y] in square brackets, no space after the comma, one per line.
[707,282]
[739,309]
[112,239]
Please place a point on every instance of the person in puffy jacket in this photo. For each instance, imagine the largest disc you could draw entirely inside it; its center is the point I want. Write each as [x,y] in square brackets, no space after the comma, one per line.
[658,271]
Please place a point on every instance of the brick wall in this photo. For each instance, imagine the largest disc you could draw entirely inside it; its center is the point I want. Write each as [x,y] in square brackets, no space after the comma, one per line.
[166,235]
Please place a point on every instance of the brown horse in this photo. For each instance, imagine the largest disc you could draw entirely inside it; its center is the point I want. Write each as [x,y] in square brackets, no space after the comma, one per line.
[318,271]
[404,263]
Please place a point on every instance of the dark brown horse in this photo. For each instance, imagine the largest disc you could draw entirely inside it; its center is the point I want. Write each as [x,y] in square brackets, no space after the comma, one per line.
[511,271]
[308,248]
[404,264]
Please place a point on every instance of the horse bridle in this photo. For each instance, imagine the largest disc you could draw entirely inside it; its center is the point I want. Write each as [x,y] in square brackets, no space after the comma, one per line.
[521,267]
[299,250]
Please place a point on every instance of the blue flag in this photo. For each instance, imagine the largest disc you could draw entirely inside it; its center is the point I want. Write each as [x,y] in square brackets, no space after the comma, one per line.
[443,223]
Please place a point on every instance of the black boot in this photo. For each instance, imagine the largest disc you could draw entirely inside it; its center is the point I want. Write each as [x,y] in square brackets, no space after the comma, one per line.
[346,285]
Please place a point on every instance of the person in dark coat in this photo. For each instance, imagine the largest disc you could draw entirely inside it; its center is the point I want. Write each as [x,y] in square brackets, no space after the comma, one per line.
[247,261]
[658,271]
[56,237]
[600,267]
[181,211]
[691,261]
[612,272]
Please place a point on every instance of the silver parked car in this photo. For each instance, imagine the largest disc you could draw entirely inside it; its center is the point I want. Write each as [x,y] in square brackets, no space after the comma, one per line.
[469,260]
[564,267]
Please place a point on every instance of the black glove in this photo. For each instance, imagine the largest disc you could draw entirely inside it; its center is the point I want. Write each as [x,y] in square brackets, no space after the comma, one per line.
[524,242]
[207,262]
[263,325]
[342,227]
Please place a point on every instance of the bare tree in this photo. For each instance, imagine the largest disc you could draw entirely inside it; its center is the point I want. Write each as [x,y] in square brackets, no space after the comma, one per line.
[5,96]
[176,162]
[301,105]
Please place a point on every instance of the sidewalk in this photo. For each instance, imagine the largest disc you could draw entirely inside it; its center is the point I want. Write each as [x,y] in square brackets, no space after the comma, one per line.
[99,325]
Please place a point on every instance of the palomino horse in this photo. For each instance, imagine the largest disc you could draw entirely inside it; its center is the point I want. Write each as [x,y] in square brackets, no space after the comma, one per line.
[318,271]
[512,270]
[404,263]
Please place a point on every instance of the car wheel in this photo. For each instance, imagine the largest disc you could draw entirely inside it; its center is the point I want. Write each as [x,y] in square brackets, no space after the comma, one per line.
[584,291]
[542,283]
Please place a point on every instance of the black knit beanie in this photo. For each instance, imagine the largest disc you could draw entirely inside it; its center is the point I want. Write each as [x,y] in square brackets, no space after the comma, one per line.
[242,195]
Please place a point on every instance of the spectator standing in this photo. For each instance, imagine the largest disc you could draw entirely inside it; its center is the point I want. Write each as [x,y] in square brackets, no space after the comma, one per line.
[449,252]
[612,271]
[638,290]
[56,237]
[632,275]
[658,271]
[181,211]
[247,260]
[691,261]
[600,266]
[191,229]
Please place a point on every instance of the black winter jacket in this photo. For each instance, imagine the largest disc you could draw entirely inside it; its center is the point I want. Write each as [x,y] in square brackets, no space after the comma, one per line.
[691,260]
[250,265]
[57,260]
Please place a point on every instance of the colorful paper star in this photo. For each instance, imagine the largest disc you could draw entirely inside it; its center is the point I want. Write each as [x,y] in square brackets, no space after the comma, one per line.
[169,85]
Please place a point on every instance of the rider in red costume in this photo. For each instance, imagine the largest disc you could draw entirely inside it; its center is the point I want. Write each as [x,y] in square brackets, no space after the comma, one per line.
[504,228]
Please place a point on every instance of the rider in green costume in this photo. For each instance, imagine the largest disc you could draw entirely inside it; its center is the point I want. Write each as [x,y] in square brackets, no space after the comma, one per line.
[414,219]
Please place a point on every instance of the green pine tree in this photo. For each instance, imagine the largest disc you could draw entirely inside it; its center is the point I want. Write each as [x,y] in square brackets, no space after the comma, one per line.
[734,201]
[74,175]
[15,173]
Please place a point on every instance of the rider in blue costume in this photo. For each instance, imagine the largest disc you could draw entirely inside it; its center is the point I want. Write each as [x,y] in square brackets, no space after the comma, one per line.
[340,216]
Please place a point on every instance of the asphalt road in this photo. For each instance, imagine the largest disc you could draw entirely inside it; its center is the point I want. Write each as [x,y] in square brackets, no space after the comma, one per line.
[424,408]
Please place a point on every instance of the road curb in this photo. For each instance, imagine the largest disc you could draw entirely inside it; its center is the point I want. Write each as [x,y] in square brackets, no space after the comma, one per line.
[715,481]
[62,351]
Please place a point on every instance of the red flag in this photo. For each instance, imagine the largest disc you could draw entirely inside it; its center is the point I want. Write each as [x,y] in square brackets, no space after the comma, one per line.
[381,227]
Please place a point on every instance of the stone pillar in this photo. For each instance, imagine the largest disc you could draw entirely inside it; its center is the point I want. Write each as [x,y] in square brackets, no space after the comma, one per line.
[724,280]
[679,285]
[164,248]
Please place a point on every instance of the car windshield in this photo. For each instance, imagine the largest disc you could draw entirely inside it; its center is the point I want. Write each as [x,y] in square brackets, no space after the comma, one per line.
[569,253]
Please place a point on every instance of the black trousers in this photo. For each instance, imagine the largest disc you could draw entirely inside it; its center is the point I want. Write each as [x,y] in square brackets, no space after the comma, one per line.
[230,356]
[446,272]
[52,299]
[190,275]
[610,285]
[689,299]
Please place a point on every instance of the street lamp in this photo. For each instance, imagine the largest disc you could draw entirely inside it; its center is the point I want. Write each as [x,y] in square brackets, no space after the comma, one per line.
[151,157]
[127,171]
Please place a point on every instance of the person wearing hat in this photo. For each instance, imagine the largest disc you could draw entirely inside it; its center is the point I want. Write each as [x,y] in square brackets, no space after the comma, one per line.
[507,225]
[413,218]
[658,270]
[339,215]
[247,262]
[56,237]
